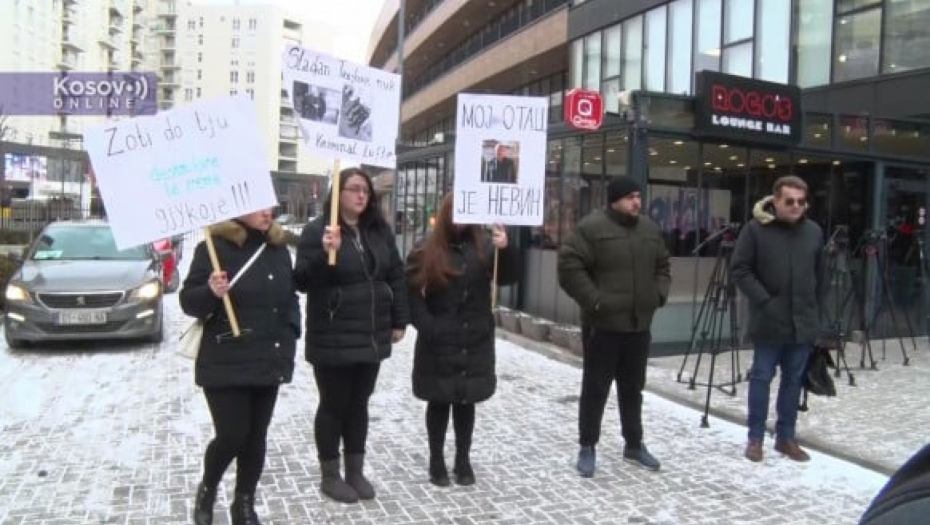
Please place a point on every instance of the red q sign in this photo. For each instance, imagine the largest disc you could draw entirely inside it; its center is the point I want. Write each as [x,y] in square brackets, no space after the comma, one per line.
[584,109]
[751,103]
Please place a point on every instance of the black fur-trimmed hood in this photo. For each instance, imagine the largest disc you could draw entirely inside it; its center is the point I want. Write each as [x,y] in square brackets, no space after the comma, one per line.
[237,234]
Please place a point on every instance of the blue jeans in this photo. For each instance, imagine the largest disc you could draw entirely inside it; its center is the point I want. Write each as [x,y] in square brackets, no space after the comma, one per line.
[792,358]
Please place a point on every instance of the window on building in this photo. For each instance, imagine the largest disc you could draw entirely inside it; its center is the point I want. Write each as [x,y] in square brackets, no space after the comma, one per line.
[814,38]
[251,93]
[633,53]
[592,61]
[253,24]
[577,64]
[200,40]
[235,42]
[612,54]
[737,17]
[191,25]
[250,77]
[199,74]
[198,93]
[707,39]
[235,24]
[234,76]
[857,40]
[188,94]
[654,49]
[679,46]
[233,92]
[907,42]
[201,22]
[199,58]
[773,36]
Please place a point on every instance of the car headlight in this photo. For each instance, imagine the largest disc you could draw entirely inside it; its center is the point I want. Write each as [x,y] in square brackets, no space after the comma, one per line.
[17,293]
[149,290]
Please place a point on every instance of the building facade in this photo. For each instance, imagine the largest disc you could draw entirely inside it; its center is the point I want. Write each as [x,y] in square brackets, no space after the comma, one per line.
[224,50]
[860,135]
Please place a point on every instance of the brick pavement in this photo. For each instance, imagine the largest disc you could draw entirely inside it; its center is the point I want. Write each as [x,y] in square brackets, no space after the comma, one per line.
[114,435]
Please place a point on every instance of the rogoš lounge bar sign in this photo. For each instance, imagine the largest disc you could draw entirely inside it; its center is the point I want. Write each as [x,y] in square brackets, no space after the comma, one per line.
[740,108]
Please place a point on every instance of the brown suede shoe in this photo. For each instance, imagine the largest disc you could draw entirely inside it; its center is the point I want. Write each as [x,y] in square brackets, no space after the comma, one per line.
[790,448]
[754,451]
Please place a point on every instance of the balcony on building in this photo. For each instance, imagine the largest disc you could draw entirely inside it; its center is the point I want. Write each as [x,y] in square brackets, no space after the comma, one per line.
[135,38]
[68,59]
[287,165]
[116,25]
[168,10]
[67,17]
[168,43]
[166,28]
[168,61]
[107,41]
[288,133]
[138,6]
[68,3]
[287,151]
[68,41]
[169,80]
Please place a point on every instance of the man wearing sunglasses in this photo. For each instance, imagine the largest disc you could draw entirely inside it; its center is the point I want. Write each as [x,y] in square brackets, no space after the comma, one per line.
[778,265]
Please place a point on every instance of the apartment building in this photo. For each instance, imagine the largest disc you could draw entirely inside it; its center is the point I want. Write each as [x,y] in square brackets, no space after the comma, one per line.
[70,35]
[218,50]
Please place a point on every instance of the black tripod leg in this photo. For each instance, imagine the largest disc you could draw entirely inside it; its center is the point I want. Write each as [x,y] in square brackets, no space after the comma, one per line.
[889,302]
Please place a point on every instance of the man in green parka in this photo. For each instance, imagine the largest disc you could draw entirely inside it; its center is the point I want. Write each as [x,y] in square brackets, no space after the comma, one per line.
[616,267]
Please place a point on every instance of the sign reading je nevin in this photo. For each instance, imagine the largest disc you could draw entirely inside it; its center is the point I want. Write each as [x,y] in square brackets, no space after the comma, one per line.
[184,169]
[745,109]
[500,159]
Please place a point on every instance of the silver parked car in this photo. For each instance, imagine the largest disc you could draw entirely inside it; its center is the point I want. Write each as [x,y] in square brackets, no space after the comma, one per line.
[75,284]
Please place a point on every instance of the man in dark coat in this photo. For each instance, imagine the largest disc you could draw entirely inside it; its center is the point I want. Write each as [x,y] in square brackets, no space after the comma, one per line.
[615,266]
[778,265]
[500,169]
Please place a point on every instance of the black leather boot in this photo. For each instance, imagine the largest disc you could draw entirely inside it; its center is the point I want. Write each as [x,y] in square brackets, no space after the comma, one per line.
[438,475]
[242,510]
[203,505]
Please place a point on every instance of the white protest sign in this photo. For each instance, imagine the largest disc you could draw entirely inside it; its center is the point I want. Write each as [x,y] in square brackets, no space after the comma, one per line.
[500,159]
[180,170]
[346,111]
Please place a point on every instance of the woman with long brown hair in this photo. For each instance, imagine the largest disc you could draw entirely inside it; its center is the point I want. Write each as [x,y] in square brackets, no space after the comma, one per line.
[450,277]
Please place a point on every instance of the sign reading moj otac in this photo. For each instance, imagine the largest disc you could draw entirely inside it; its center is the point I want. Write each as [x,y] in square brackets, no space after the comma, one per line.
[584,109]
[73,93]
[184,169]
[346,110]
[500,159]
[745,109]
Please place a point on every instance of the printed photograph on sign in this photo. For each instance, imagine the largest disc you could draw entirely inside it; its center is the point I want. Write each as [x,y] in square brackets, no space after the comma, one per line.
[500,161]
[356,110]
[316,103]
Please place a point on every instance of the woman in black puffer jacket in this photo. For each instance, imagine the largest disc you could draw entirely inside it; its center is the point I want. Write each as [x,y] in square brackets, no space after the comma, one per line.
[356,310]
[240,375]
[450,301]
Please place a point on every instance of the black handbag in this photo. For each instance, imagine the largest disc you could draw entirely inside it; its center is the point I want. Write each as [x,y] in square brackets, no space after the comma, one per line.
[817,379]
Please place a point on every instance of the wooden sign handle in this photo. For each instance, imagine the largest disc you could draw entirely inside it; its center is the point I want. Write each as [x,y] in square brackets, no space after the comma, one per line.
[334,207]
[227,302]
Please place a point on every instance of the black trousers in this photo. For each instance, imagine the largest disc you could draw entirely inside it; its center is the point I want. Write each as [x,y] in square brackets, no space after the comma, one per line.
[342,414]
[437,422]
[241,416]
[609,357]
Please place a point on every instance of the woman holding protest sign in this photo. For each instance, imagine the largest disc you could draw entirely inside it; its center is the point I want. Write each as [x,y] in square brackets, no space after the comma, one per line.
[450,276]
[356,309]
[240,375]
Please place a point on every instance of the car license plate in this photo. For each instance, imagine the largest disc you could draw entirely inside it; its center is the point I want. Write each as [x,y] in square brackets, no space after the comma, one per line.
[82,317]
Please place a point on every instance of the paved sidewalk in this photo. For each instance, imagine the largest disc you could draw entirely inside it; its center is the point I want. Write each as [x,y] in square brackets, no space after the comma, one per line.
[878,423]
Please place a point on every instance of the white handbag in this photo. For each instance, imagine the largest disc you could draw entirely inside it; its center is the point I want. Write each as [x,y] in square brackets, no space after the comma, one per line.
[189,342]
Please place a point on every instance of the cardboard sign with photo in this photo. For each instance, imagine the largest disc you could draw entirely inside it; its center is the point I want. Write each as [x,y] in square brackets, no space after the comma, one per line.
[354,121]
[500,163]
[316,103]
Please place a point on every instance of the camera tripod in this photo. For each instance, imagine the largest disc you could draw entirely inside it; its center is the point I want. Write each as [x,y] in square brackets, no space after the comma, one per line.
[923,271]
[841,276]
[718,309]
[874,248]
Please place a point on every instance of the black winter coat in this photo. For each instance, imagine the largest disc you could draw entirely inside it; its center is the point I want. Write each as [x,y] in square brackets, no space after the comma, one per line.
[352,307]
[454,358]
[265,304]
[779,267]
